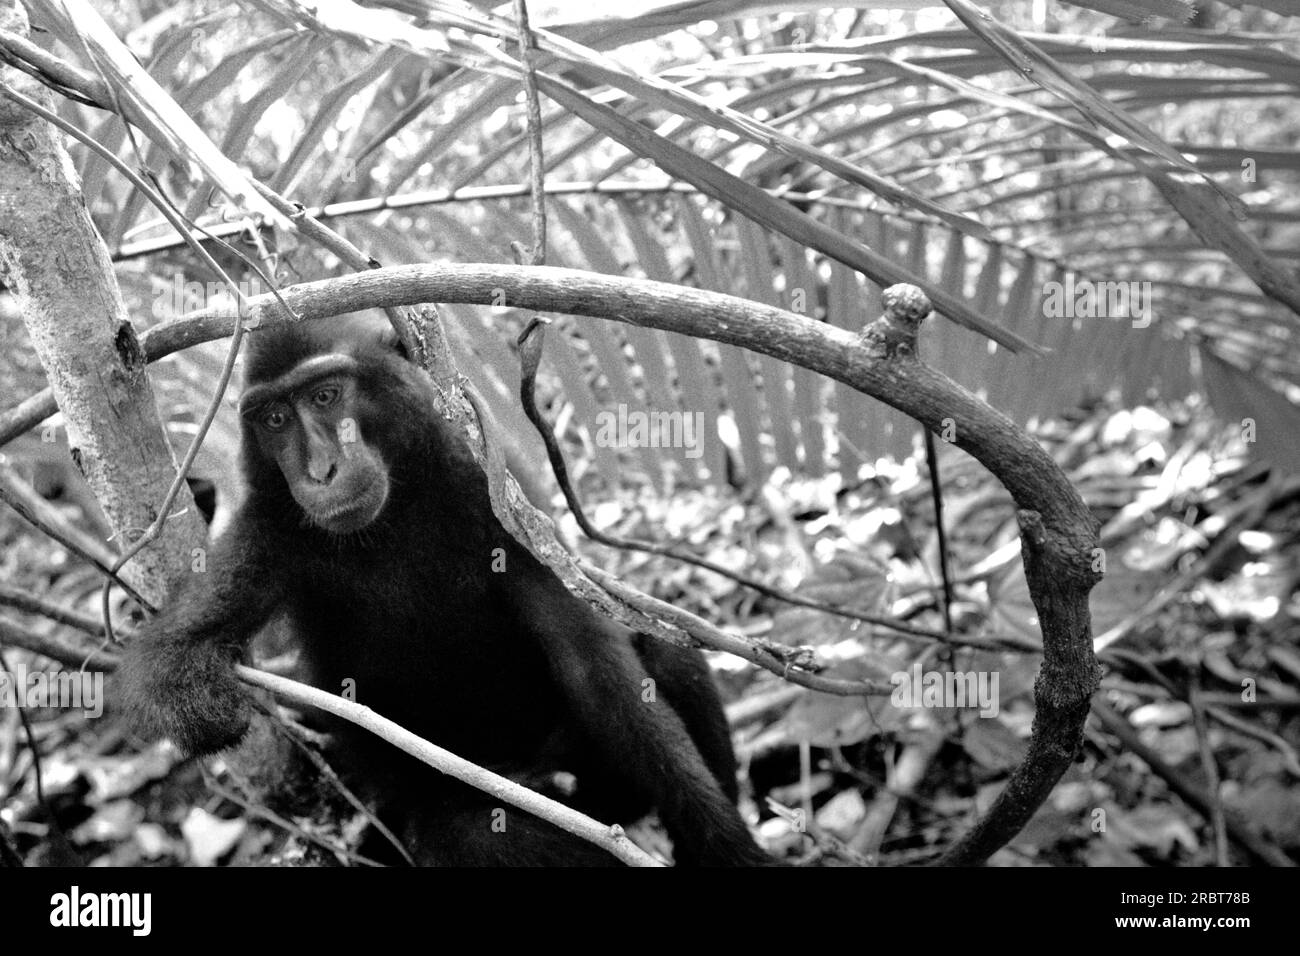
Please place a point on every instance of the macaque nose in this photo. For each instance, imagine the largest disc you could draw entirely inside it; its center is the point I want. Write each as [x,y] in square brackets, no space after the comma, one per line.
[322,472]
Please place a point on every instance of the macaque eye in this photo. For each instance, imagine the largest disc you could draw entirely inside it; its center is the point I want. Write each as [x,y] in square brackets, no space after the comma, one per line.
[325,397]
[275,419]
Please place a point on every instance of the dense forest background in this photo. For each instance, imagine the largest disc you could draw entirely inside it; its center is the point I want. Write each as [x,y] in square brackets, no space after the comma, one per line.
[1098,198]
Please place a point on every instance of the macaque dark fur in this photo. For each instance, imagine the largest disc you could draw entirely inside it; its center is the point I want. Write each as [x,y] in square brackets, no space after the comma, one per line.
[379,545]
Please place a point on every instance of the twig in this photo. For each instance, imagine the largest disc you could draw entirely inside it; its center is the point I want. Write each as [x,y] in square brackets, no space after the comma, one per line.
[322,766]
[824,844]
[779,660]
[1213,703]
[610,838]
[1238,829]
[530,352]
[39,777]
[30,603]
[38,513]
[269,815]
[1290,760]
[404,319]
[1211,771]
[936,492]
[52,647]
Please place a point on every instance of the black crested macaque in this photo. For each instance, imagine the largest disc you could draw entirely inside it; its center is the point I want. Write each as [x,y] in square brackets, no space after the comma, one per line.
[367,523]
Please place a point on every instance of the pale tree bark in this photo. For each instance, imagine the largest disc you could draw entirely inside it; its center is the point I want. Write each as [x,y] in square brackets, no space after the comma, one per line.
[57,266]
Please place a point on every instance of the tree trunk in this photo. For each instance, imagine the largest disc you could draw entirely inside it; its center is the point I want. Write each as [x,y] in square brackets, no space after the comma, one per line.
[55,262]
